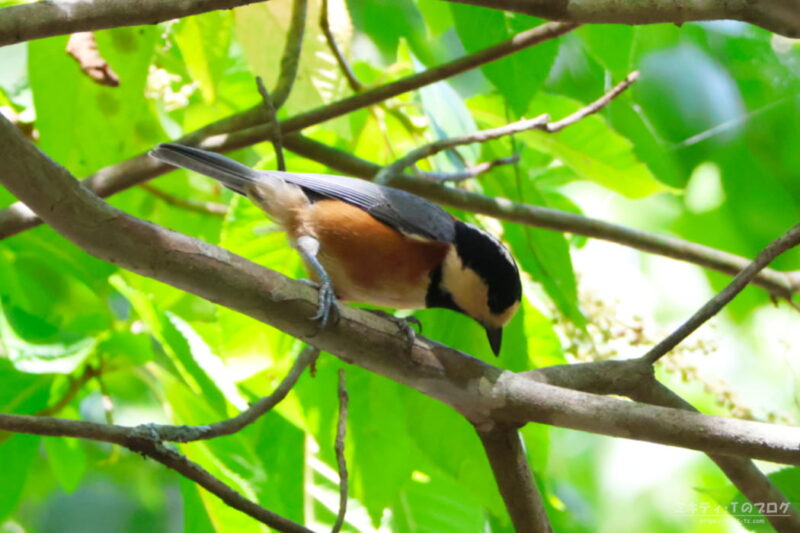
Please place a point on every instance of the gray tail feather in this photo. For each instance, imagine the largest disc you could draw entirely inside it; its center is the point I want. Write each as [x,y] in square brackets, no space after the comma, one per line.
[230,173]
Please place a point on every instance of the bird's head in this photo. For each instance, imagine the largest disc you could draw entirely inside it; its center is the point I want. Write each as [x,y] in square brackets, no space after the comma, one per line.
[480,279]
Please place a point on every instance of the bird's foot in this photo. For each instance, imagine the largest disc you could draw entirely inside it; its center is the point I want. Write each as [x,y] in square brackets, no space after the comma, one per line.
[328,311]
[404,324]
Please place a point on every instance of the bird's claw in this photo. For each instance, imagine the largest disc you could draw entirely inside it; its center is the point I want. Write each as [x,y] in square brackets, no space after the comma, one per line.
[328,311]
[403,324]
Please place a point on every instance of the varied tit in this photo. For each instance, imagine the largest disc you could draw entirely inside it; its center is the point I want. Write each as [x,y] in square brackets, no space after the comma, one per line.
[377,245]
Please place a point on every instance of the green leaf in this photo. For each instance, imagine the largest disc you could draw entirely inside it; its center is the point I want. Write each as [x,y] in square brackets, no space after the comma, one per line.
[612,46]
[449,117]
[386,23]
[434,503]
[67,460]
[188,352]
[262,29]
[16,457]
[519,76]
[195,517]
[71,105]
[206,58]
[594,151]
[35,346]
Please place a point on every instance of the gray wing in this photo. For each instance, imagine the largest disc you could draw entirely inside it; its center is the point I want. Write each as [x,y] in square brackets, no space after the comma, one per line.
[403,211]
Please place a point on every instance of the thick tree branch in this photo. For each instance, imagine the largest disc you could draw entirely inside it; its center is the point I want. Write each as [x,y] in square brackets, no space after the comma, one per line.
[45,19]
[779,16]
[523,500]
[483,393]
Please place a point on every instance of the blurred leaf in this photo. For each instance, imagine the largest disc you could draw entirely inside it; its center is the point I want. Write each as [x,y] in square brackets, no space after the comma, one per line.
[592,150]
[612,46]
[205,57]
[376,475]
[16,456]
[386,23]
[186,350]
[449,117]
[68,461]
[195,517]
[436,504]
[519,76]
[262,29]
[35,346]
[103,124]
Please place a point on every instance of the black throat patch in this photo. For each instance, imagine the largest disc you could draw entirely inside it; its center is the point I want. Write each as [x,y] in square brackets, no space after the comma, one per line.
[489,259]
[438,297]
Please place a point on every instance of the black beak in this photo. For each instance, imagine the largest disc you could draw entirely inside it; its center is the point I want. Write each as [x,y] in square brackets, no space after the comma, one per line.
[495,336]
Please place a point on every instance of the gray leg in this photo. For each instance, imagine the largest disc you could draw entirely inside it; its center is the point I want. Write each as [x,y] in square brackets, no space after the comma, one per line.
[328,307]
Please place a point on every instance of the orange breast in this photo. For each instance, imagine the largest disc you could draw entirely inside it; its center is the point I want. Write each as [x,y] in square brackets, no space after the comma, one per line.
[367,260]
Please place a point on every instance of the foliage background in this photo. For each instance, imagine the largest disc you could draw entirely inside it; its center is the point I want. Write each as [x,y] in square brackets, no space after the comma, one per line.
[703,147]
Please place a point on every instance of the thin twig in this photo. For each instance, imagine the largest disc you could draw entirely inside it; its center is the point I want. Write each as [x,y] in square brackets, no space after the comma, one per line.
[341,430]
[277,138]
[392,170]
[355,85]
[595,106]
[541,122]
[468,173]
[205,208]
[246,417]
[788,240]
[291,54]
[191,470]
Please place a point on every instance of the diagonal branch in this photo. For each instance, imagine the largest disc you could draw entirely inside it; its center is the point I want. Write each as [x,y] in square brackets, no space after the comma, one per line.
[788,240]
[523,500]
[243,419]
[484,394]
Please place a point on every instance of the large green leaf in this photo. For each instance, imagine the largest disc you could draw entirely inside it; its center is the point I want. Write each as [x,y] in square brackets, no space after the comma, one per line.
[379,448]
[519,76]
[262,28]
[16,456]
[67,460]
[103,124]
[206,58]
[594,151]
[197,365]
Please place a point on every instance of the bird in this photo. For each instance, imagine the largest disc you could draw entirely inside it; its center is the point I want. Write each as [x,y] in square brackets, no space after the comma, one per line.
[374,244]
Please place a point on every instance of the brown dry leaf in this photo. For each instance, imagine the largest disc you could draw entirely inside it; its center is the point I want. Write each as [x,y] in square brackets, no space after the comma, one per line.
[83,48]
